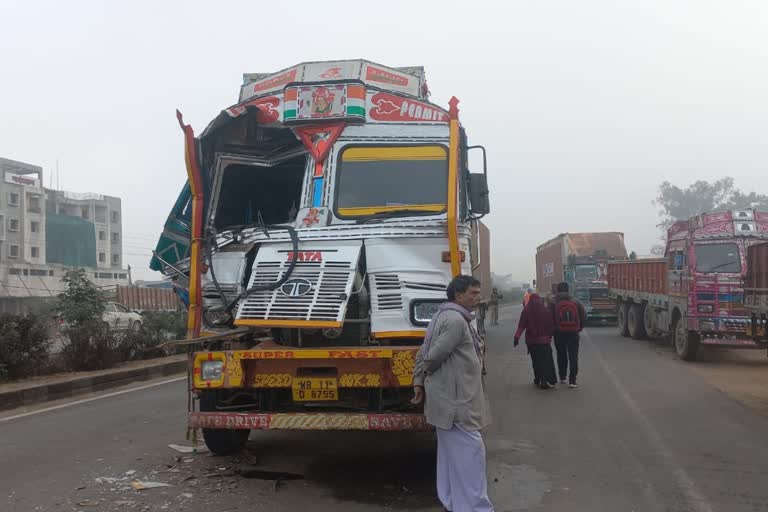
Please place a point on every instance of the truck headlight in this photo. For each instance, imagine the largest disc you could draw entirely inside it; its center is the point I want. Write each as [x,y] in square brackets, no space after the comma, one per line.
[211,370]
[422,311]
[705,308]
[707,326]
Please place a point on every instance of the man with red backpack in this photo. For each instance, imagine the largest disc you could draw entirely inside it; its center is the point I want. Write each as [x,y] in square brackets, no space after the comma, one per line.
[570,318]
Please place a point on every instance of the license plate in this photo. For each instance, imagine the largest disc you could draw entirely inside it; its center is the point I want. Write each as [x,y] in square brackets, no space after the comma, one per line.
[315,389]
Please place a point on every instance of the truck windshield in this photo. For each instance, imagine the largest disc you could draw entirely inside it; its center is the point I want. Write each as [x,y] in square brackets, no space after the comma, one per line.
[586,272]
[252,194]
[717,258]
[376,179]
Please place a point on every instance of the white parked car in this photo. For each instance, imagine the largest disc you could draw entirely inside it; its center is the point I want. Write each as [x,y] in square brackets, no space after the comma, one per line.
[120,318]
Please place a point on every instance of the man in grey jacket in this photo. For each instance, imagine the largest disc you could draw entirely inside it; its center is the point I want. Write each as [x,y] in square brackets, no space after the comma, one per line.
[449,371]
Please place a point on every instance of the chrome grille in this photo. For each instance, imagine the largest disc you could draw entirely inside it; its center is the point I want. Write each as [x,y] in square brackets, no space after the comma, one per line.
[330,280]
[388,288]
[411,285]
[387,293]
[386,281]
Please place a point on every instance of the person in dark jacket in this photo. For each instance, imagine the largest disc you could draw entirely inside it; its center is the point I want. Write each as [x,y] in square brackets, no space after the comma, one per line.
[537,323]
[567,333]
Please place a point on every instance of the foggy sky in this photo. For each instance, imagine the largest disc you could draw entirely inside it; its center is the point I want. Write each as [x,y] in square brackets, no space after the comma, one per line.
[584,106]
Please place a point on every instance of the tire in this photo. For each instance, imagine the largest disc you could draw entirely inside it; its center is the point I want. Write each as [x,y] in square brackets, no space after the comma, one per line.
[621,318]
[649,321]
[136,326]
[635,323]
[686,344]
[221,441]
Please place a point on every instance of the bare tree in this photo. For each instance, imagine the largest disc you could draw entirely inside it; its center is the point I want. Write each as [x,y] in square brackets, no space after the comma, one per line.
[703,197]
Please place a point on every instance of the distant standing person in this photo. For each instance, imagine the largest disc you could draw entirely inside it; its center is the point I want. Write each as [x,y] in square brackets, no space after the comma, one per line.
[448,375]
[537,323]
[494,303]
[570,317]
[527,296]
[551,295]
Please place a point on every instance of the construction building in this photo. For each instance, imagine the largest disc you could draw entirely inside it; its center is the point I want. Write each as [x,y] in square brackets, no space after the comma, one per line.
[45,232]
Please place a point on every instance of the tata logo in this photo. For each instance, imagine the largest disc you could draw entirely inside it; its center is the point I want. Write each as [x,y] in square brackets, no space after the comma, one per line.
[296,287]
[306,256]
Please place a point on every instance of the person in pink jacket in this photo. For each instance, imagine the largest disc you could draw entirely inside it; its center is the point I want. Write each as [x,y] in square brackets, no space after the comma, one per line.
[537,323]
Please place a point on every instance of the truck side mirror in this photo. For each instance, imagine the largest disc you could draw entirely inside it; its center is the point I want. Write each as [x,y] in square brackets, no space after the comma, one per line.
[479,203]
[478,194]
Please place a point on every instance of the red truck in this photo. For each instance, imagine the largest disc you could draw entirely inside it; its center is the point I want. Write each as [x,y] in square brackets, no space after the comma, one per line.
[696,293]
[756,291]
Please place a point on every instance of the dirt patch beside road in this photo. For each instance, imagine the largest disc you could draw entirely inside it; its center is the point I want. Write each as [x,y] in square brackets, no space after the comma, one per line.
[741,374]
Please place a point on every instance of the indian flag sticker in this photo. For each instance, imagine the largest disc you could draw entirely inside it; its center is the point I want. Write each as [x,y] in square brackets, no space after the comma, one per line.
[355,101]
[291,95]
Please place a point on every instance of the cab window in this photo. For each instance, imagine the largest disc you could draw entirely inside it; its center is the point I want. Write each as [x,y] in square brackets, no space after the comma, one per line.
[378,179]
[676,260]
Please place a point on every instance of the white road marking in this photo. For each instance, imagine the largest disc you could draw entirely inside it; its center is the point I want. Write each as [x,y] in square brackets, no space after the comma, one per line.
[695,498]
[92,399]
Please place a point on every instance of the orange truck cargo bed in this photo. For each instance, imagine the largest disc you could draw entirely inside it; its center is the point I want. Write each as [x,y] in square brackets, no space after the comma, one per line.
[648,276]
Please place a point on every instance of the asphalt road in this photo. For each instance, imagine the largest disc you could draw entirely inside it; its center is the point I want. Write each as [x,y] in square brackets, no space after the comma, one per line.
[643,433]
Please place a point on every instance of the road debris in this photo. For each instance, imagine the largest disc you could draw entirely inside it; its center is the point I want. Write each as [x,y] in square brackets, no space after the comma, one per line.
[87,503]
[140,486]
[123,502]
[188,449]
[263,474]
[109,480]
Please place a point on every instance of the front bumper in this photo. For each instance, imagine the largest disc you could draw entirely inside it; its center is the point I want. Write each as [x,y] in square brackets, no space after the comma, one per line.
[358,372]
[309,421]
[601,315]
[374,367]
[730,331]
[734,342]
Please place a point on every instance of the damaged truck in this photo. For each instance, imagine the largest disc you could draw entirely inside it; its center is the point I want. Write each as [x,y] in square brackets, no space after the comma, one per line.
[323,217]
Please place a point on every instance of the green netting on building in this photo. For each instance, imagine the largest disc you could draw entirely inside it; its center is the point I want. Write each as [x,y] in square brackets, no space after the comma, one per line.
[70,241]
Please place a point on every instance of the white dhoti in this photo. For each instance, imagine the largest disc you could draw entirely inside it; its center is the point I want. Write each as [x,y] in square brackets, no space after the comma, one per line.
[461,480]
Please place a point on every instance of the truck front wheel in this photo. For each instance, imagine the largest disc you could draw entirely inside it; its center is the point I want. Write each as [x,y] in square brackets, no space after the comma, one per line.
[221,441]
[686,343]
[621,318]
[635,323]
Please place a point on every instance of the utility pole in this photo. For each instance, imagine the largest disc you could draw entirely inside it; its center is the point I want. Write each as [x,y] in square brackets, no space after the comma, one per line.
[130,281]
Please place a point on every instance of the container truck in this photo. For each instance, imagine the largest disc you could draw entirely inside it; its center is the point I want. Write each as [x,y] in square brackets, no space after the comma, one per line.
[580,259]
[323,217]
[696,293]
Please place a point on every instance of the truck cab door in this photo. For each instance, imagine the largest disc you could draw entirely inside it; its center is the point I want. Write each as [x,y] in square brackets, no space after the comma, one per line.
[676,264]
